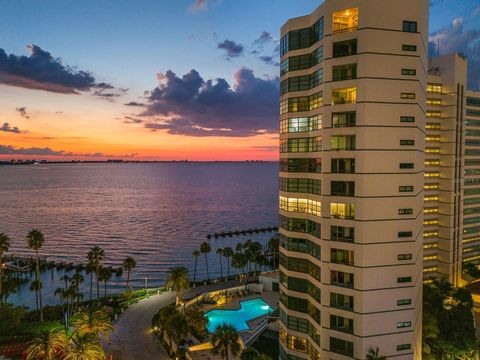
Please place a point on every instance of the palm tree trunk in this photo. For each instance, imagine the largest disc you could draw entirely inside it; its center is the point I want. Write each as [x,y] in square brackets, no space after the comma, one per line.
[195,269]
[37,272]
[228,266]
[36,300]
[98,287]
[177,297]
[226,353]
[206,264]
[91,285]
[1,280]
[105,293]
[128,278]
[221,266]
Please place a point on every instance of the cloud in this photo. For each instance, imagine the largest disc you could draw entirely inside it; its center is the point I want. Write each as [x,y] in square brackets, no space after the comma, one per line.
[266,148]
[7,128]
[232,49]
[132,120]
[134,103]
[23,112]
[269,60]
[41,71]
[259,44]
[201,5]
[192,106]
[455,38]
[47,151]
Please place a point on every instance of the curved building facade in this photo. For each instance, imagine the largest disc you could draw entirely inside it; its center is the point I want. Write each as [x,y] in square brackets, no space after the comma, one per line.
[352,154]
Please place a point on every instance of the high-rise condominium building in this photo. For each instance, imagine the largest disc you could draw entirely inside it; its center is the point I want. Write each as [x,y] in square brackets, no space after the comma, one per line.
[452,171]
[352,143]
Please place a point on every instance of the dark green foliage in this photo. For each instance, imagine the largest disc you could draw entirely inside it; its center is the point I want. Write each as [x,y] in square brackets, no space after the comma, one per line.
[448,324]
[11,318]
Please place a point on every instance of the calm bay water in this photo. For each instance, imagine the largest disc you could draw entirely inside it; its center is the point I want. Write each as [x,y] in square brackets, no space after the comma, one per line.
[157,213]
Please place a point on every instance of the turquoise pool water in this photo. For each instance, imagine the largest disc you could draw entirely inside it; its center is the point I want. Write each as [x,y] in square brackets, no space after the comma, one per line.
[249,309]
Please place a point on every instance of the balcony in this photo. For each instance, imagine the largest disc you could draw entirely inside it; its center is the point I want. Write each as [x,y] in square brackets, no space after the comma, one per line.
[344,96]
[345,20]
[344,72]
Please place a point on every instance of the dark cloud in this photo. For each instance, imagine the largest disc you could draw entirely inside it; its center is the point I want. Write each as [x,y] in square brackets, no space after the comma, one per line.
[269,60]
[192,106]
[232,49]
[132,120]
[259,44]
[23,112]
[134,103]
[7,128]
[455,38]
[41,71]
[46,151]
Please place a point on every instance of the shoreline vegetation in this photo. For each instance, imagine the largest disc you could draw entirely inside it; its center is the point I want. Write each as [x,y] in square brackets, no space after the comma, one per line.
[73,326]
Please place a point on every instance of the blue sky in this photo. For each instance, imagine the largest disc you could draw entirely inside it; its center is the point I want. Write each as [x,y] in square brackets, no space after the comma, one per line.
[137,45]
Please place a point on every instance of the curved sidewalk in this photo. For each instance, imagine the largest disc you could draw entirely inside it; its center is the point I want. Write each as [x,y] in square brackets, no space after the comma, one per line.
[133,339]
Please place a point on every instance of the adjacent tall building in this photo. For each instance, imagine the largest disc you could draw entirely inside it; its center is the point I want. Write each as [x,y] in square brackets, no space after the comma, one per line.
[379,178]
[352,154]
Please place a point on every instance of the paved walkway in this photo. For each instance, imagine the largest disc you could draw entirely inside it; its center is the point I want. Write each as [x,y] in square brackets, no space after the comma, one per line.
[133,339]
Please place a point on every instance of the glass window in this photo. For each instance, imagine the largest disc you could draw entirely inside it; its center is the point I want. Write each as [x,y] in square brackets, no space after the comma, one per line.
[407,142]
[342,166]
[344,119]
[345,48]
[410,119]
[340,301]
[473,101]
[405,188]
[409,96]
[342,142]
[405,279]
[340,256]
[311,144]
[409,72]
[344,96]
[342,279]
[301,165]
[403,302]
[345,20]
[344,72]
[342,210]
[405,234]
[409,47]
[342,188]
[407,165]
[404,257]
[342,233]
[300,225]
[409,26]
[340,323]
[310,186]
[340,346]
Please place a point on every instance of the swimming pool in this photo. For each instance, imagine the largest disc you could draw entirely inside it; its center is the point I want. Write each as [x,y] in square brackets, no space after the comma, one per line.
[249,309]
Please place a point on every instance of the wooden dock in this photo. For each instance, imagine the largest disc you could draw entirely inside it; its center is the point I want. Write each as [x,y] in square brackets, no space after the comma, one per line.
[242,232]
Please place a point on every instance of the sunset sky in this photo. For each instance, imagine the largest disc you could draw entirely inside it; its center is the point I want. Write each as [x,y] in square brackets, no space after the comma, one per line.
[158,79]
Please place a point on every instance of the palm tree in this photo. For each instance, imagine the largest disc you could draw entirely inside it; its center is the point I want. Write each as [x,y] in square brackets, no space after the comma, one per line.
[128,265]
[249,353]
[228,252]
[176,328]
[373,354]
[197,322]
[177,280]
[205,249]
[35,285]
[195,254]
[105,275]
[95,256]
[35,240]
[77,279]
[46,345]
[4,246]
[225,341]
[84,347]
[94,322]
[89,269]
[220,254]
[273,245]
[239,261]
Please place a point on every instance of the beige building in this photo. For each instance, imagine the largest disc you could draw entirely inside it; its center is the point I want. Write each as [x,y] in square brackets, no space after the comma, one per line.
[379,158]
[352,142]
[452,171]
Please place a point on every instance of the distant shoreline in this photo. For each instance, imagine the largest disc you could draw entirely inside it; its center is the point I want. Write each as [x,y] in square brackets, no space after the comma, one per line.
[115,161]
